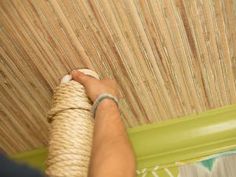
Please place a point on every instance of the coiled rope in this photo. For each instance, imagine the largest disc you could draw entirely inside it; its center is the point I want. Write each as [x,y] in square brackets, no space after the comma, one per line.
[71,130]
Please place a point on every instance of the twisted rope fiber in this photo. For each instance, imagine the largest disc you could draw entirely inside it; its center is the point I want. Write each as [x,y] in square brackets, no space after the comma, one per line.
[71,131]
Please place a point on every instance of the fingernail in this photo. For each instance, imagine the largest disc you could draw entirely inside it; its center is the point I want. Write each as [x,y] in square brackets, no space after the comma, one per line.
[80,72]
[74,71]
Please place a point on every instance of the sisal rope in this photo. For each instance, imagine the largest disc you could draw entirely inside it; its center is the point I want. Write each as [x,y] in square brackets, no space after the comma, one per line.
[71,130]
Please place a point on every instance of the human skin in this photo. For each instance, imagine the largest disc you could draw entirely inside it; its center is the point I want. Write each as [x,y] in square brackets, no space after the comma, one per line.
[112,153]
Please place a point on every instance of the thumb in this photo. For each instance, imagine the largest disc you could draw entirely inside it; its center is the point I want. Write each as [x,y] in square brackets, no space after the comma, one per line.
[80,77]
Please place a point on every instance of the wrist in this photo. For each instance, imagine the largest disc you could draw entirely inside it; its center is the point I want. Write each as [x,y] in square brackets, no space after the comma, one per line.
[103,101]
[105,107]
[106,103]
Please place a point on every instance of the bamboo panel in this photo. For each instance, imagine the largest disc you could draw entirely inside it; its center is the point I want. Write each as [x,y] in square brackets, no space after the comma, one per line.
[171,58]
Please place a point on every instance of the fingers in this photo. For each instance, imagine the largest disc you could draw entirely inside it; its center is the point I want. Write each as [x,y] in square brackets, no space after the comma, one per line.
[81,77]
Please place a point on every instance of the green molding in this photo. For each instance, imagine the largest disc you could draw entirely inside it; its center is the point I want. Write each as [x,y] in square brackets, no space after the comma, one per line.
[173,142]
[182,140]
[35,158]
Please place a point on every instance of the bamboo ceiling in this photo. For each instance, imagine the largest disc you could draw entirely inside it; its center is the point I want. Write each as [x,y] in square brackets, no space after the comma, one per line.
[170,57]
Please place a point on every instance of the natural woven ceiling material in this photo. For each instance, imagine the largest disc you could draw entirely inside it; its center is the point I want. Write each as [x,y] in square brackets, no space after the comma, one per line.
[170,57]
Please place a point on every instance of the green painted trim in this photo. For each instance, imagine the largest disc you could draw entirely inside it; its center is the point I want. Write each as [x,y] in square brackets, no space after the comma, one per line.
[181,140]
[175,141]
[35,158]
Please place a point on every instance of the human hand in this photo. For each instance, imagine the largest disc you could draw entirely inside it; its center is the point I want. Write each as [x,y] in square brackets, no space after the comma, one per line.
[95,87]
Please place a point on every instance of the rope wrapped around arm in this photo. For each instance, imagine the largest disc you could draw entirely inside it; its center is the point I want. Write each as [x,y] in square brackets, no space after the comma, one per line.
[71,130]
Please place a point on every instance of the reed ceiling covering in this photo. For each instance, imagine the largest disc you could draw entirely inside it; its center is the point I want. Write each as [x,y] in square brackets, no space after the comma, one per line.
[170,57]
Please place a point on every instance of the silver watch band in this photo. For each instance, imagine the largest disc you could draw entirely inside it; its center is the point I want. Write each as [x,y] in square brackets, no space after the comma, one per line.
[99,100]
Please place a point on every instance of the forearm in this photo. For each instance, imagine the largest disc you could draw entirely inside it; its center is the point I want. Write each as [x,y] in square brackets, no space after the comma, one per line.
[112,154]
